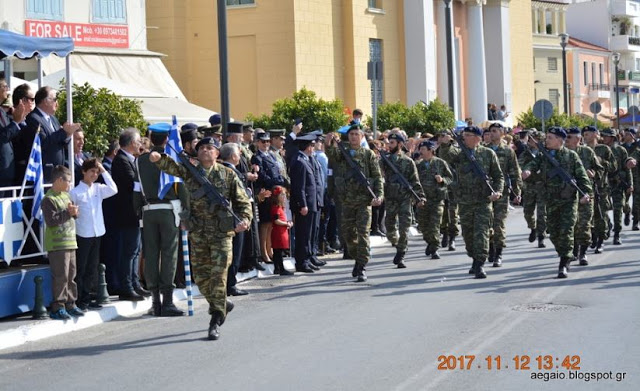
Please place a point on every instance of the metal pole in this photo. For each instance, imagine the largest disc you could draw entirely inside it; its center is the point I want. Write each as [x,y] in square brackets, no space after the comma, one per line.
[224,72]
[448,26]
[617,98]
[564,79]
[70,115]
[375,100]
[8,71]
[39,72]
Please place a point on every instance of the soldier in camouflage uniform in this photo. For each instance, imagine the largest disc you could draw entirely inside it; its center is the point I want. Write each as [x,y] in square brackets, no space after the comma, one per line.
[399,201]
[475,198]
[621,181]
[601,222]
[632,163]
[512,184]
[212,226]
[582,229]
[449,227]
[533,192]
[357,200]
[629,144]
[435,178]
[561,197]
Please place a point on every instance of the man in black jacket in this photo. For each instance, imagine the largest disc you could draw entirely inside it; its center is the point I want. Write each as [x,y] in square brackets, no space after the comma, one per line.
[290,146]
[10,129]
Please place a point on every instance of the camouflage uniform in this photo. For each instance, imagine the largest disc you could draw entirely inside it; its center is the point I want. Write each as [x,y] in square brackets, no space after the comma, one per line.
[533,198]
[620,181]
[212,229]
[631,148]
[601,221]
[635,173]
[355,198]
[582,228]
[430,216]
[449,224]
[399,201]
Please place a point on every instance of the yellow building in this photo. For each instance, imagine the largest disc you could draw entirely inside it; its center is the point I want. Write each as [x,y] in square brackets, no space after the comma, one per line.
[521,57]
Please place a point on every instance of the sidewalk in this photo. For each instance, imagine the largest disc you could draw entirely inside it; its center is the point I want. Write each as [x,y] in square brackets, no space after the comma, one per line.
[23,329]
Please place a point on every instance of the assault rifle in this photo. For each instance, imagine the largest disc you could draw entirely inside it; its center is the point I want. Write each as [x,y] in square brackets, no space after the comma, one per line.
[355,170]
[399,177]
[475,166]
[558,170]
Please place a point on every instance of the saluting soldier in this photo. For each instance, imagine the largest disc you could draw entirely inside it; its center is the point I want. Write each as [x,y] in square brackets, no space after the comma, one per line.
[399,200]
[582,229]
[533,192]
[357,200]
[435,178]
[512,183]
[449,228]
[561,196]
[212,226]
[475,198]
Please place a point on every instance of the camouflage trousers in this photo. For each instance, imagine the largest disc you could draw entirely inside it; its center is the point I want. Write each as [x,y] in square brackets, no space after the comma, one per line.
[210,260]
[500,213]
[635,211]
[356,223]
[601,221]
[397,221]
[475,220]
[449,224]
[620,205]
[582,228]
[429,219]
[533,201]
[561,227]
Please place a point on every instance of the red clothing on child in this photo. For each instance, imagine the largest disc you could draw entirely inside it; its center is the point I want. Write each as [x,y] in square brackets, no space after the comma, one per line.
[279,233]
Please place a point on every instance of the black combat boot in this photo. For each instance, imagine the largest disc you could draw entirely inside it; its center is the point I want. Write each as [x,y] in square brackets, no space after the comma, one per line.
[541,241]
[497,259]
[472,270]
[155,303]
[428,250]
[452,243]
[360,273]
[445,240]
[434,254]
[230,307]
[599,246]
[168,308]
[532,236]
[479,269]
[627,219]
[616,238]
[399,259]
[582,255]
[214,326]
[492,252]
[563,267]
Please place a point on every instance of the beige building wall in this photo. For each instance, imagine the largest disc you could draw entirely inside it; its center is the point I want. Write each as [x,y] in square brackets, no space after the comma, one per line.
[521,56]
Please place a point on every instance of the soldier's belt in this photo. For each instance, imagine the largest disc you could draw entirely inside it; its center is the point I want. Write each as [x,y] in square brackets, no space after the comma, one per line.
[157,207]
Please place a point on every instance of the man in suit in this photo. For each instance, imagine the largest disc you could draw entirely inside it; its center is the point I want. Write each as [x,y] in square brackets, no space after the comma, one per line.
[54,137]
[304,202]
[318,175]
[79,156]
[10,129]
[127,219]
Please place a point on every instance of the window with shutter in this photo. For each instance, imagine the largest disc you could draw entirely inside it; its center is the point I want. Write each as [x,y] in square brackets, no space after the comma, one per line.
[109,11]
[45,9]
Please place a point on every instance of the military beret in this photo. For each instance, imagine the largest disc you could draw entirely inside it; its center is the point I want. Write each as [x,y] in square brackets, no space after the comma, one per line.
[396,136]
[207,131]
[276,132]
[473,129]
[631,130]
[609,132]
[557,131]
[496,125]
[215,119]
[189,126]
[428,144]
[160,127]
[188,135]
[573,130]
[208,141]
[590,128]
[356,126]
[262,136]
[234,127]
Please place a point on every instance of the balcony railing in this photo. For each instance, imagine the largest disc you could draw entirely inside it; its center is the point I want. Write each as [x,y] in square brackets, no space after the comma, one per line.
[599,87]
[634,40]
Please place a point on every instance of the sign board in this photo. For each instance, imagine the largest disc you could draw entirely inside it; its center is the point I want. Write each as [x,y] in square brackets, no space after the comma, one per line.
[543,109]
[374,70]
[595,107]
[94,35]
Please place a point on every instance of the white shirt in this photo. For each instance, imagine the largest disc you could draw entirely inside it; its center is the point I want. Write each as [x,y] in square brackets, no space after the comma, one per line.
[90,221]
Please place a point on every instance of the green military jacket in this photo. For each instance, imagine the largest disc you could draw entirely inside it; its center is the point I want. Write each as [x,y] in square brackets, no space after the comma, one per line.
[407,168]
[607,161]
[622,177]
[204,218]
[469,186]
[555,187]
[589,160]
[510,168]
[527,156]
[427,172]
[348,188]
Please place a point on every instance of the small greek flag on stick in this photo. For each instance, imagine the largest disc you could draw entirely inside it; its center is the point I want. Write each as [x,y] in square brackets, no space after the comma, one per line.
[34,174]
[166,180]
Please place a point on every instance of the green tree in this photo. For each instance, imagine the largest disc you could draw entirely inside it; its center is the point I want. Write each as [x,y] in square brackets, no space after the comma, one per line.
[316,113]
[430,118]
[102,113]
[391,115]
[528,120]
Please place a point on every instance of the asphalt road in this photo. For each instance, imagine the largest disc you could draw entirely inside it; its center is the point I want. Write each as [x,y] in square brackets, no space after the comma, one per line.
[325,332]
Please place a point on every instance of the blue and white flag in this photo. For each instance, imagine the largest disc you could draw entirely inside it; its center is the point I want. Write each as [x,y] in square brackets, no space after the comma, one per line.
[34,174]
[166,180]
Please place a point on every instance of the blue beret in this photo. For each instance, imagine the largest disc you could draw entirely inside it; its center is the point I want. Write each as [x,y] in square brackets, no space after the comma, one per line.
[609,132]
[215,119]
[160,127]
[631,130]
[428,144]
[573,130]
[557,131]
[473,129]
[189,126]
[208,141]
[396,136]
[590,128]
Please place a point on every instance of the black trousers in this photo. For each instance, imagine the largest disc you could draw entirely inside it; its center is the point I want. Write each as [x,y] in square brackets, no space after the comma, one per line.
[87,257]
[237,245]
[303,228]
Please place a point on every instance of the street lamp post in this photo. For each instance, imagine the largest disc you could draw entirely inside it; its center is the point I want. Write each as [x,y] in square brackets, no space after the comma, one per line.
[564,39]
[616,61]
[447,16]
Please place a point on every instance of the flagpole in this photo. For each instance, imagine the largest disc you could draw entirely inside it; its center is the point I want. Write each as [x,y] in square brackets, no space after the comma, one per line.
[187,269]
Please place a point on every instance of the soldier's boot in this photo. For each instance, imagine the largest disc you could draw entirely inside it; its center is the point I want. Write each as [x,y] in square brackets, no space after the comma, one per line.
[608,233]
[168,308]
[594,240]
[354,272]
[541,241]
[399,259]
[492,253]
[156,305]
[616,238]
[627,219]
[635,225]
[479,269]
[563,267]
[599,246]
[472,270]
[452,243]
[497,259]
[582,256]
[445,240]
[434,254]
[428,250]
[230,306]
[214,326]
[532,235]
[361,276]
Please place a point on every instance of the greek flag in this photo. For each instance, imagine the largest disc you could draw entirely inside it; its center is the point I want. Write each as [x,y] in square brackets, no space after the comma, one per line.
[34,174]
[166,180]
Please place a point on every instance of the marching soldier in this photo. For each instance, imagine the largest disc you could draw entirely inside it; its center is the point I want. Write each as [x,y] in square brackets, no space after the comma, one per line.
[449,227]
[399,199]
[512,184]
[629,143]
[435,178]
[560,193]
[212,226]
[620,180]
[533,192]
[358,197]
[480,183]
[632,164]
